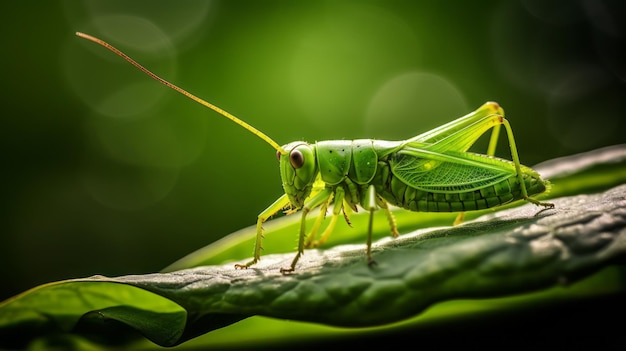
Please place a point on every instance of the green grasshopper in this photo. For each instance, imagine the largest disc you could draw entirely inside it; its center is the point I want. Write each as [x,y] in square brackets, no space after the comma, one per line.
[432,172]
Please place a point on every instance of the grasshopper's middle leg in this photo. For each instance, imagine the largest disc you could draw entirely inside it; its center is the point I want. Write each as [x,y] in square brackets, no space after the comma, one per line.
[310,241]
[337,208]
[312,203]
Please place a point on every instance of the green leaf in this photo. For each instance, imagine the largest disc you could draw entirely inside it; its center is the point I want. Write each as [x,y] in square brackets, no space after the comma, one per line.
[71,305]
[509,252]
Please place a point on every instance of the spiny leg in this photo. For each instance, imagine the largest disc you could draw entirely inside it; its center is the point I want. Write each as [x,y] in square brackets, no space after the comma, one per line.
[518,167]
[312,203]
[347,212]
[279,204]
[393,225]
[337,208]
[310,238]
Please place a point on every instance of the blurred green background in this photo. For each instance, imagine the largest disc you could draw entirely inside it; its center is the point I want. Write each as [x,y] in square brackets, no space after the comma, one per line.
[107,172]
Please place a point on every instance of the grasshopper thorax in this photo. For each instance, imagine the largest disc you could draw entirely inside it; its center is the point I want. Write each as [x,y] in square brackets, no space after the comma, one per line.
[298,170]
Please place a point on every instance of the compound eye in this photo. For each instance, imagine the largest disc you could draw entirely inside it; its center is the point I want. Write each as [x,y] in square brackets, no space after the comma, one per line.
[296,158]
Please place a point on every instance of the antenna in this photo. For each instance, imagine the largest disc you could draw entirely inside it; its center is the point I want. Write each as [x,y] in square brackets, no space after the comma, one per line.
[184,92]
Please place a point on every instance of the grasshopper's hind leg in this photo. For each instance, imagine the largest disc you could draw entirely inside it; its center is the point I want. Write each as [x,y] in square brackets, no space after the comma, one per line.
[498,120]
[518,167]
[473,132]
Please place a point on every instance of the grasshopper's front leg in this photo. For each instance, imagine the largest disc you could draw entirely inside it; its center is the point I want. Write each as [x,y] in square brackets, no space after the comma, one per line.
[263,216]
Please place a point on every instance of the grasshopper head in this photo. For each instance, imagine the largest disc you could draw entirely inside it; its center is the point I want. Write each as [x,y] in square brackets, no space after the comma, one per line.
[298,170]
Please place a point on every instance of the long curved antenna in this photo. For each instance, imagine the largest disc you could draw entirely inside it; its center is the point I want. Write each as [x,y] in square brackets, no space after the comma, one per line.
[184,92]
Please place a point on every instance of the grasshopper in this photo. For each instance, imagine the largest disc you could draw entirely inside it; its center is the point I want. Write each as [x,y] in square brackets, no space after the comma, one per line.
[432,172]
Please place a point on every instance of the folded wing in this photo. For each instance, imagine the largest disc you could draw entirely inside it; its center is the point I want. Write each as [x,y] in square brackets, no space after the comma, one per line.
[450,172]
